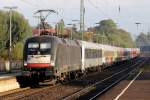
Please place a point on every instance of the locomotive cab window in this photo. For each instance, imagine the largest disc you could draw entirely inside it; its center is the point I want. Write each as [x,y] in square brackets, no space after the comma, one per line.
[45,48]
[33,45]
[33,48]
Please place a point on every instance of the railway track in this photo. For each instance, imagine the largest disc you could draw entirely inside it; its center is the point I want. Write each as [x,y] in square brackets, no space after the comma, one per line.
[60,91]
[24,92]
[93,91]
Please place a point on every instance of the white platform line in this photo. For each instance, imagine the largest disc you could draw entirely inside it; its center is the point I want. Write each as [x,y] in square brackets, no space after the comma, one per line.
[127,86]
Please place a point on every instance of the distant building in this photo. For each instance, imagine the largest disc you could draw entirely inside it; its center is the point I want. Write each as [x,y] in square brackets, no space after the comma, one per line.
[50,31]
[145,51]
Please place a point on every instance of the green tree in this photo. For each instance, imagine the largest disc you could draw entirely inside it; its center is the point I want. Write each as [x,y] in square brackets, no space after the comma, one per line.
[17,54]
[143,39]
[60,27]
[108,30]
[107,24]
[20,30]
[20,27]
[3,29]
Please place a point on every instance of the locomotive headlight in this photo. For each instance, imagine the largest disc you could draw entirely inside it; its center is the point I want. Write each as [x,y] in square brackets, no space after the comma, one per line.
[25,63]
[52,63]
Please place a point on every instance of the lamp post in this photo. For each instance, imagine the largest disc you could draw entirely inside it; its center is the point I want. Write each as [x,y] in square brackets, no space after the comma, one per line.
[82,14]
[10,34]
[137,24]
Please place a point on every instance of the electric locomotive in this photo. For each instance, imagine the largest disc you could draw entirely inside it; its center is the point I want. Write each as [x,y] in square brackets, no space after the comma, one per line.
[51,57]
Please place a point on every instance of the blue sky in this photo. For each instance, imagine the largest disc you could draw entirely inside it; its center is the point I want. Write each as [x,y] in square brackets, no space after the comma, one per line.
[132,11]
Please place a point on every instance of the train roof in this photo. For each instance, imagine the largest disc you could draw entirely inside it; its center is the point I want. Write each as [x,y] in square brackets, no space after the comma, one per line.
[78,43]
[57,40]
[97,45]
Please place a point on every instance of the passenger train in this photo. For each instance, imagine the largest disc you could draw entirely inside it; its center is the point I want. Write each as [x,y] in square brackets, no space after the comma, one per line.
[60,59]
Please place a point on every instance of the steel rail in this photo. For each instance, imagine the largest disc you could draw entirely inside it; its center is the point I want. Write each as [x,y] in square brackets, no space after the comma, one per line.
[94,97]
[91,87]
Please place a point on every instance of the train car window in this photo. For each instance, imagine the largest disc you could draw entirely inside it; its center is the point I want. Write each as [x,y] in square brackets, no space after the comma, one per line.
[87,53]
[100,53]
[97,55]
[93,53]
[90,53]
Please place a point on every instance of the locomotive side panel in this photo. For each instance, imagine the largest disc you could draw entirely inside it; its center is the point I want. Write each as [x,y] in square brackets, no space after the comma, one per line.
[68,59]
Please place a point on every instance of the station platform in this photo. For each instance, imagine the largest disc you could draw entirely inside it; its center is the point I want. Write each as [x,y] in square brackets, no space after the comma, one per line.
[8,81]
[134,88]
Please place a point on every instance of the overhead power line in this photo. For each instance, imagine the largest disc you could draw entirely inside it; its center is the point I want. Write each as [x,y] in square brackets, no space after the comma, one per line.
[97,8]
[30,3]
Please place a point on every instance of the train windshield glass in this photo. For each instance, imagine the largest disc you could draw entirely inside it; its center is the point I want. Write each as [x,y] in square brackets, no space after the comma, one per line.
[33,48]
[45,48]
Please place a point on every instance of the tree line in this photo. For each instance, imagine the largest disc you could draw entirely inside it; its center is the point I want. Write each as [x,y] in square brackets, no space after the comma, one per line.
[143,39]
[20,30]
[105,32]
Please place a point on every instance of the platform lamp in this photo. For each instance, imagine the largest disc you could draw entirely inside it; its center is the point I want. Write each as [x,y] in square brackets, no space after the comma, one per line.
[8,65]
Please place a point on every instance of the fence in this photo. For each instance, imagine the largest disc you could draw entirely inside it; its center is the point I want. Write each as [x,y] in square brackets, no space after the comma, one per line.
[15,65]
